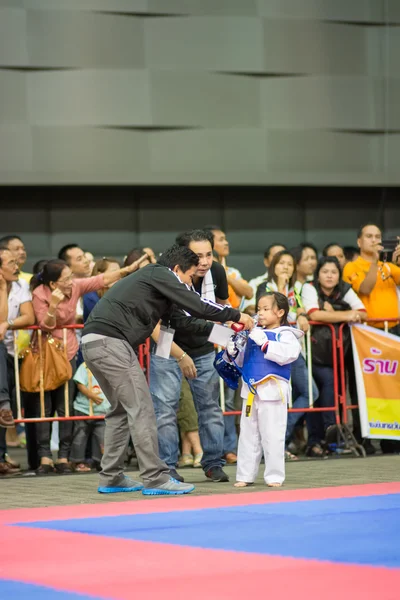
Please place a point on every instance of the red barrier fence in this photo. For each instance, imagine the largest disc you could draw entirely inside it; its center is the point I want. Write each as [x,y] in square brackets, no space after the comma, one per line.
[340,406]
[143,357]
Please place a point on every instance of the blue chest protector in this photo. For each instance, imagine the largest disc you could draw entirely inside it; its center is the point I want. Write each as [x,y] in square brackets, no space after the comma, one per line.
[256,368]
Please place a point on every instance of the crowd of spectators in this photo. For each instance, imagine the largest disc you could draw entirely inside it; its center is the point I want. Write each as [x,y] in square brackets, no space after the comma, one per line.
[344,284]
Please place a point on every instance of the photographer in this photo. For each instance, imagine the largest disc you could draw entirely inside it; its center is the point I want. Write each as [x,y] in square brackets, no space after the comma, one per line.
[373,280]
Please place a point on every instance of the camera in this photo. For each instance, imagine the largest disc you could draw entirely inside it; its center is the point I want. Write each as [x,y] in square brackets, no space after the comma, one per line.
[386,255]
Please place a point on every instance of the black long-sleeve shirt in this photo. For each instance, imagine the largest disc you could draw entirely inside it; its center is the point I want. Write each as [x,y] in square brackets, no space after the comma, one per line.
[133,306]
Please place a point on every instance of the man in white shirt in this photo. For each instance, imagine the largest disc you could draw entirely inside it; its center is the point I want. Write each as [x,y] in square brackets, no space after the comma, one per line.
[15,311]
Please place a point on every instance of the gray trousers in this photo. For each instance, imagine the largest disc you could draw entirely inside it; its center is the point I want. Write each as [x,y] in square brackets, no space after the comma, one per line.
[116,368]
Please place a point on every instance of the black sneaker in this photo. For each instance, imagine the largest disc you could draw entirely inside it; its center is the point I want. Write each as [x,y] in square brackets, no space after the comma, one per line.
[217,474]
[176,475]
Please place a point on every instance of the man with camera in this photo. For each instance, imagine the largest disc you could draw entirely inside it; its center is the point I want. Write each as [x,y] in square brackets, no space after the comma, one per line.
[375,275]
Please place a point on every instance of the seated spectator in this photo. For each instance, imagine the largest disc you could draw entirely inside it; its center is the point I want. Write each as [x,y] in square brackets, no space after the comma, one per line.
[55,296]
[328,300]
[337,251]
[375,281]
[282,278]
[90,400]
[249,306]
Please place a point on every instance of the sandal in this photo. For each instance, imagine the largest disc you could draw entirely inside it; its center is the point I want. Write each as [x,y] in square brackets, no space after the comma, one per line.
[186,460]
[197,460]
[63,468]
[81,468]
[315,451]
[45,469]
[289,456]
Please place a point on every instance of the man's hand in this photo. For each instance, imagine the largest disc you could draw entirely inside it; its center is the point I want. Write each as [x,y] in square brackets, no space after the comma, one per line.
[396,253]
[3,284]
[258,336]
[187,367]
[3,330]
[247,321]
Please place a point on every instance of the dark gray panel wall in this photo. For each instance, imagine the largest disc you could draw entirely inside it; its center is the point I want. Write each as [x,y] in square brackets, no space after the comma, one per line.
[200,92]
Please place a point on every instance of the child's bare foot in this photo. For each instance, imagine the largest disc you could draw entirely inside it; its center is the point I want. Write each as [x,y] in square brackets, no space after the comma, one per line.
[274,485]
[242,484]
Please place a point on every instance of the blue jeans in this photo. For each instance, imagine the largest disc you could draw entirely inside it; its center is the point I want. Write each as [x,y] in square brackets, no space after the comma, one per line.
[320,421]
[165,388]
[300,395]
[230,435]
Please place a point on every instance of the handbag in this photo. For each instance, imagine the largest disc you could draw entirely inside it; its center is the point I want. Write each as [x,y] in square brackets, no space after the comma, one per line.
[321,337]
[45,364]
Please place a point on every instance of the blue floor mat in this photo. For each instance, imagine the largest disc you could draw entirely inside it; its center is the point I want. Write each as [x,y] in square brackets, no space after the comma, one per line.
[363,530]
[17,590]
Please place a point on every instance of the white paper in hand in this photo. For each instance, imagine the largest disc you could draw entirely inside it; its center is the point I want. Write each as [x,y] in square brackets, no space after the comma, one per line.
[164,343]
[220,335]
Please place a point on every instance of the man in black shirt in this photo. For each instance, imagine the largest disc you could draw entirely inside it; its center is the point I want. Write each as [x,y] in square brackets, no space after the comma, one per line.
[120,321]
[194,359]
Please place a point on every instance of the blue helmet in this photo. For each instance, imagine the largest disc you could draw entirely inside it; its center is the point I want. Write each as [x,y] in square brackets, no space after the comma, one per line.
[227,371]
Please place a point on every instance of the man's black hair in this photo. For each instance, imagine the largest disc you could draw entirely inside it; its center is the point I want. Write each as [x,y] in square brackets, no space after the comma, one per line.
[195,235]
[360,231]
[4,241]
[325,250]
[178,255]
[63,254]
[269,248]
[297,251]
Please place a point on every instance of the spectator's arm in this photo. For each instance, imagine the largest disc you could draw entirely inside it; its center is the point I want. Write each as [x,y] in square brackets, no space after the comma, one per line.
[44,313]
[89,394]
[240,287]
[360,282]
[338,316]
[3,300]
[26,316]
[395,272]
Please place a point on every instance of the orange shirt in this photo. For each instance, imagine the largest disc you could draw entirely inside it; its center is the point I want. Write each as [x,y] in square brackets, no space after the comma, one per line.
[383,301]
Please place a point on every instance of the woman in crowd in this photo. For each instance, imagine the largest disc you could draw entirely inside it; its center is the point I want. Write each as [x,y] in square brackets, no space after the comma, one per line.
[55,296]
[328,300]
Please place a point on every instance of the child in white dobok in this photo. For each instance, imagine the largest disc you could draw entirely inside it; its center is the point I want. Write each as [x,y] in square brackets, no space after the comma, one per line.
[265,365]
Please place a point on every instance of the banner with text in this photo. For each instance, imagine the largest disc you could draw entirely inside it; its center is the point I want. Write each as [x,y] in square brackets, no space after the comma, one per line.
[376,362]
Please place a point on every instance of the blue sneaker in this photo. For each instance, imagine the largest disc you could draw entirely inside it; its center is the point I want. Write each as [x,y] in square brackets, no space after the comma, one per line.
[170,488]
[126,485]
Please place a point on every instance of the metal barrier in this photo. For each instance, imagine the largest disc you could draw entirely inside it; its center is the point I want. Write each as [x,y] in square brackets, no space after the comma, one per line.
[144,361]
[335,364]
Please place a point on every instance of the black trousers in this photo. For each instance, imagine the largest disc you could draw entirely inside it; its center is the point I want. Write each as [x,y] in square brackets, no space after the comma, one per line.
[54,403]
